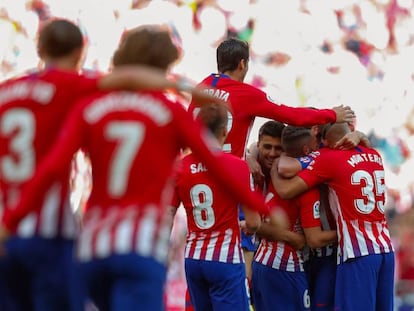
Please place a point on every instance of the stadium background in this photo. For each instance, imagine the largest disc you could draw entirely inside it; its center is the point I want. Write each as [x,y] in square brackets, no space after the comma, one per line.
[303,53]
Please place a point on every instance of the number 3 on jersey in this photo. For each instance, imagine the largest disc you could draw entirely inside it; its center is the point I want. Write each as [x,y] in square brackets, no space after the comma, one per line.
[202,202]
[373,187]
[18,126]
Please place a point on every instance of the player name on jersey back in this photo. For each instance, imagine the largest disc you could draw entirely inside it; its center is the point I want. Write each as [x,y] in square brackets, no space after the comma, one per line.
[197,168]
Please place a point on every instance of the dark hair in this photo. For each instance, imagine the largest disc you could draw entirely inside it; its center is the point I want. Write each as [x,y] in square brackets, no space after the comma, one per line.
[229,54]
[214,117]
[271,128]
[147,45]
[59,38]
[294,138]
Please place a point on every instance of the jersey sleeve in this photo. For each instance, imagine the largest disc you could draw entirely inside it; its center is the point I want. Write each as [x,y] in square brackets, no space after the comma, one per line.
[264,106]
[317,172]
[309,204]
[198,141]
[305,161]
[58,160]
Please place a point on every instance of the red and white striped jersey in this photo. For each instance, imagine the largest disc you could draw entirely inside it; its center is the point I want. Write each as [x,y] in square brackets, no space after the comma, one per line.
[276,254]
[212,215]
[357,193]
[124,230]
[132,140]
[32,110]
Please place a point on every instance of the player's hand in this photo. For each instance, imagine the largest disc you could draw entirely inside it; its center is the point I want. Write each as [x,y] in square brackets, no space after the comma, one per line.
[244,228]
[255,170]
[344,114]
[349,141]
[297,241]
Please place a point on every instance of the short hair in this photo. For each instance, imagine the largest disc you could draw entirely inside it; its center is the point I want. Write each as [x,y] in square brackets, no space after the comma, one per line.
[294,138]
[271,128]
[214,117]
[229,54]
[59,38]
[324,129]
[146,45]
[333,132]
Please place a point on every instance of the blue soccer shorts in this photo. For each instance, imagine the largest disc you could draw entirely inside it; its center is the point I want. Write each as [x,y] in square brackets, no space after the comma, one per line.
[366,283]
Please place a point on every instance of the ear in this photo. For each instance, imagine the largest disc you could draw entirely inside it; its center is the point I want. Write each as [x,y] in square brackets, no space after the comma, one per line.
[225,132]
[242,64]
[78,55]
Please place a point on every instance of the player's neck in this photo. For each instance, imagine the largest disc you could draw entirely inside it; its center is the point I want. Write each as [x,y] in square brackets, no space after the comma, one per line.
[64,64]
[234,75]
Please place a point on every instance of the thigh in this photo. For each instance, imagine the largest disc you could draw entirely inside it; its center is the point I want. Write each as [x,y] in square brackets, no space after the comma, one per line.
[356,283]
[323,279]
[14,286]
[48,265]
[197,284]
[98,282]
[385,288]
[138,283]
[227,286]
[258,289]
[54,279]
[280,290]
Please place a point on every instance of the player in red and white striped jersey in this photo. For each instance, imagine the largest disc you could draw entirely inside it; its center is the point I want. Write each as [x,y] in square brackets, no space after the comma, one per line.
[132,140]
[214,262]
[365,274]
[248,102]
[32,109]
[278,276]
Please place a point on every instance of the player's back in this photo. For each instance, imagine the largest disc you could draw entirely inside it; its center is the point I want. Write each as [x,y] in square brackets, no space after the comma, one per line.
[357,191]
[212,215]
[358,181]
[32,109]
[241,117]
[132,141]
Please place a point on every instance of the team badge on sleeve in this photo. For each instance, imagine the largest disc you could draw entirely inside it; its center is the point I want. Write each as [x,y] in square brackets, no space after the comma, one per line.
[316,213]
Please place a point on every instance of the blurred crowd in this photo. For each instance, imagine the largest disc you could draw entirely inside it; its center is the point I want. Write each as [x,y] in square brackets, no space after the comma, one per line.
[303,53]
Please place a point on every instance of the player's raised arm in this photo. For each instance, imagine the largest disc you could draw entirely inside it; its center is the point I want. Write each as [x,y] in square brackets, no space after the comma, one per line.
[344,114]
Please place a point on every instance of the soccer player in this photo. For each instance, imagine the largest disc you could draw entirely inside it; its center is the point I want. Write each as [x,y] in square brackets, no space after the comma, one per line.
[267,148]
[32,109]
[365,271]
[248,102]
[214,264]
[132,140]
[317,222]
[278,277]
